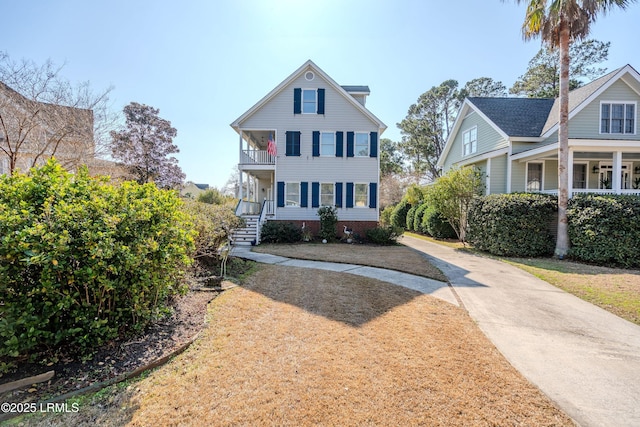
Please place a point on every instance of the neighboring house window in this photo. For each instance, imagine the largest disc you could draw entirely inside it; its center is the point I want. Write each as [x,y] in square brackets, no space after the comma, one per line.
[534,176]
[293,143]
[309,101]
[579,175]
[362,145]
[617,118]
[361,195]
[292,194]
[470,141]
[326,194]
[327,144]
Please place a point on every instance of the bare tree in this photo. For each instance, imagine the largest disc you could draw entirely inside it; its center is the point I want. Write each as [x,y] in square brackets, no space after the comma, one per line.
[43,115]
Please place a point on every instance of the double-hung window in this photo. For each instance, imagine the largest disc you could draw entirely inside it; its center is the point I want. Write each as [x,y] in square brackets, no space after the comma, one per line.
[362,145]
[326,194]
[470,141]
[534,176]
[361,195]
[327,144]
[309,101]
[292,194]
[617,118]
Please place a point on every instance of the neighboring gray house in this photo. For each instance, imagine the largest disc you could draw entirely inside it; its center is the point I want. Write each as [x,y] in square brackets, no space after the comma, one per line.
[514,141]
[309,142]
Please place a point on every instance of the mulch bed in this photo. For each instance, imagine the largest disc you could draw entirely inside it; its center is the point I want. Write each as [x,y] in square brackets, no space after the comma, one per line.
[119,357]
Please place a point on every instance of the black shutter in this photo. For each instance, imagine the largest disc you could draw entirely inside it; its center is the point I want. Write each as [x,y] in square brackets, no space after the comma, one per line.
[297,101]
[315,194]
[373,139]
[292,147]
[320,101]
[316,143]
[280,194]
[338,194]
[304,194]
[373,195]
[339,143]
[350,141]
[349,194]
[296,143]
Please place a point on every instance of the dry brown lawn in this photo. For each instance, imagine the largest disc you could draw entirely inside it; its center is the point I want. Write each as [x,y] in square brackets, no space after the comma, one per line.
[298,347]
[399,258]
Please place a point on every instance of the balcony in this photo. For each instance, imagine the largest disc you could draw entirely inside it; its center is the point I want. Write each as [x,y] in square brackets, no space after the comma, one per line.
[256,157]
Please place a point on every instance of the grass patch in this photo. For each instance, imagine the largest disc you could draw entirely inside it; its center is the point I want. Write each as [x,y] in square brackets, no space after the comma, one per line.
[398,257]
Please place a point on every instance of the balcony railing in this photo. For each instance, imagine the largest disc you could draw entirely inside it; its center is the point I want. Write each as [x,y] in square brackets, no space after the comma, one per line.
[257,157]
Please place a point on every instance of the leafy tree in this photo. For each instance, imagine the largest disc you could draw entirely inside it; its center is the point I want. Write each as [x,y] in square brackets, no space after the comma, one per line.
[451,195]
[541,80]
[483,86]
[558,23]
[145,145]
[211,196]
[43,115]
[427,125]
[391,158]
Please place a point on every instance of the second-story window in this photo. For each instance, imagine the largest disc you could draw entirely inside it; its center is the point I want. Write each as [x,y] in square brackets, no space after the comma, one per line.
[362,145]
[617,118]
[309,101]
[327,144]
[470,141]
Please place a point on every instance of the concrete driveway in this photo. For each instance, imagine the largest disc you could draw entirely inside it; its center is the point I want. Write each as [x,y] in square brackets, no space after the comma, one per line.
[584,358]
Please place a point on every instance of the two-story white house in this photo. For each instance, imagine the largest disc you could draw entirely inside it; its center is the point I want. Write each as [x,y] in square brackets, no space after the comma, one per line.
[309,143]
[514,141]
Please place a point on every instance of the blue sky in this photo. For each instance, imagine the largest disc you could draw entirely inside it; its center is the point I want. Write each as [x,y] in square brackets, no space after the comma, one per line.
[204,63]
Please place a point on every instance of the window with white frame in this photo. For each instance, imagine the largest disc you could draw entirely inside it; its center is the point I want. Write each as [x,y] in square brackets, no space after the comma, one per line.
[292,194]
[327,144]
[309,101]
[361,194]
[534,176]
[579,175]
[326,194]
[470,141]
[362,145]
[618,117]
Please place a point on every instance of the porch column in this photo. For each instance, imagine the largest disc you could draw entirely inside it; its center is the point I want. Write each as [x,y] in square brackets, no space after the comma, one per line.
[570,166]
[488,177]
[509,169]
[240,149]
[616,183]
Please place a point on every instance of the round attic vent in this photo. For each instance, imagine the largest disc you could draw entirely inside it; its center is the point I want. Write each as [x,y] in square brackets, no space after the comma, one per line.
[309,75]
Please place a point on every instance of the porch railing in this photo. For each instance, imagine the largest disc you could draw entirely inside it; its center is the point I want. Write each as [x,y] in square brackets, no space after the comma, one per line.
[245,207]
[258,157]
[634,192]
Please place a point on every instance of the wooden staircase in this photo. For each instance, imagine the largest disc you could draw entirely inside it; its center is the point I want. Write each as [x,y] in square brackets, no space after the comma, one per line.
[247,235]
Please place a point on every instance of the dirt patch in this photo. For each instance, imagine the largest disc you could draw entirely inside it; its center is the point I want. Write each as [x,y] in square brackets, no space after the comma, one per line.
[399,257]
[304,347]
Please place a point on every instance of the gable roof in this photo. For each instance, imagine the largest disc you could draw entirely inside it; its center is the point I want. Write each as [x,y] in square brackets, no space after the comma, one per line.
[582,96]
[508,114]
[310,65]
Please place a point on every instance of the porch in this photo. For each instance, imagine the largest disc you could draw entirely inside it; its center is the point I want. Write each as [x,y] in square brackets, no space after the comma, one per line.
[591,170]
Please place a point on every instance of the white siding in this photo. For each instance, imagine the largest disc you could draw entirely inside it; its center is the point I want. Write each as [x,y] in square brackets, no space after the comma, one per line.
[340,115]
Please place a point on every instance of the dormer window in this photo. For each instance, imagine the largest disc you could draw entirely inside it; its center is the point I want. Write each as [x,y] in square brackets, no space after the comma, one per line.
[617,117]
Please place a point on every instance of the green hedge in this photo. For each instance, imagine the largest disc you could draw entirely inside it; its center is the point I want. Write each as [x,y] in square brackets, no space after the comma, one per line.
[82,261]
[515,224]
[384,235]
[605,229]
[280,232]
[417,219]
[399,214]
[436,225]
[411,213]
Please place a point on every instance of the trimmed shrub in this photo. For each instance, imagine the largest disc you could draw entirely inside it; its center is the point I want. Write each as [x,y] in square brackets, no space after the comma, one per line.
[409,219]
[280,232]
[605,229]
[515,224]
[385,215]
[436,225]
[399,214]
[83,261]
[328,221]
[417,218]
[384,235]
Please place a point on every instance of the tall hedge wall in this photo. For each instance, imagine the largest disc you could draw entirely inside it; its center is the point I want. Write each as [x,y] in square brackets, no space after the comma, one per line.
[515,224]
[605,229]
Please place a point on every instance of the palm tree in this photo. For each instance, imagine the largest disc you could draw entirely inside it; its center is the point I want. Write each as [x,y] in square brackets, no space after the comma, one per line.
[558,23]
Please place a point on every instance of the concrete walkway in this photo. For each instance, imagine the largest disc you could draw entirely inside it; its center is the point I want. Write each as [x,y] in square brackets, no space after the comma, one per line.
[584,358]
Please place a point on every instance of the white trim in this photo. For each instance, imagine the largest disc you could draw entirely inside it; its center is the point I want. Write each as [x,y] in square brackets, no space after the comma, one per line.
[617,76]
[535,152]
[333,193]
[624,118]
[471,145]
[366,202]
[312,75]
[484,156]
[286,192]
[488,177]
[333,151]
[309,65]
[509,167]
[355,145]
[315,99]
